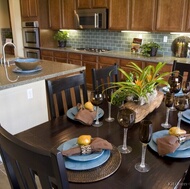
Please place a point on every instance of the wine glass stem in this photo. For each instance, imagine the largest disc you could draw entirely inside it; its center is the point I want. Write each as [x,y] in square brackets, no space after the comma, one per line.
[125,139]
[97,120]
[167,115]
[179,119]
[143,155]
[109,109]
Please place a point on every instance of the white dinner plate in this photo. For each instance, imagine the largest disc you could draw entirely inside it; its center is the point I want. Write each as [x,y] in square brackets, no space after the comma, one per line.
[86,165]
[176,154]
[18,70]
[160,134]
[74,110]
[88,157]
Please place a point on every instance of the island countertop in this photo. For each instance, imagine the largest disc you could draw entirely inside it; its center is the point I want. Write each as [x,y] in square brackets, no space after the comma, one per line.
[50,69]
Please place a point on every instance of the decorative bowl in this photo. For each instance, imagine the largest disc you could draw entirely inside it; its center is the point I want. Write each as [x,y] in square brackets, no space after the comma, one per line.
[26,63]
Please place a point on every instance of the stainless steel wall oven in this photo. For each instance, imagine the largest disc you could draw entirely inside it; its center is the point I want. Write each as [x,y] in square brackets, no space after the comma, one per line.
[31,39]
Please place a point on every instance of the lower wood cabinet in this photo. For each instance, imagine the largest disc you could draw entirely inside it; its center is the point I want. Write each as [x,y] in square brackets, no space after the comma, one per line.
[47,55]
[75,58]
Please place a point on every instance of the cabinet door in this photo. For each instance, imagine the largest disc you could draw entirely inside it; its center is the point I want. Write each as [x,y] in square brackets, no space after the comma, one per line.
[60,56]
[171,15]
[104,61]
[74,58]
[28,8]
[119,14]
[55,14]
[188,18]
[47,55]
[83,4]
[142,15]
[100,3]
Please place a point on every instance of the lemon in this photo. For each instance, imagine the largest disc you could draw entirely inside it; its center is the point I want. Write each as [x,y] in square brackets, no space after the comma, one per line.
[176,131]
[84,140]
[89,106]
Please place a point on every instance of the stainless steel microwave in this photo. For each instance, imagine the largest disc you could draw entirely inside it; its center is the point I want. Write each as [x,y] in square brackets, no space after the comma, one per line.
[91,18]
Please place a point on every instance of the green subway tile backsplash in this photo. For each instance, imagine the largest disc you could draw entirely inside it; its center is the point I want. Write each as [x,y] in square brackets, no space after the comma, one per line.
[114,40]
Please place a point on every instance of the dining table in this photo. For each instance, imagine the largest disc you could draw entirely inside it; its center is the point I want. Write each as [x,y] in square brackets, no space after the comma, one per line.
[165,171]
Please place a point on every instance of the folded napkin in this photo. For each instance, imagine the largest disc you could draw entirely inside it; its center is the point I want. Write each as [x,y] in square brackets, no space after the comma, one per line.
[97,145]
[85,116]
[170,143]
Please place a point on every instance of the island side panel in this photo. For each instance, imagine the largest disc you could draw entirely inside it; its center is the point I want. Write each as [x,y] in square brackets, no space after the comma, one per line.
[23,107]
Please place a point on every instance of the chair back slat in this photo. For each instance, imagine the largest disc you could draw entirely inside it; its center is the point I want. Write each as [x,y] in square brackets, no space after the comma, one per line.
[73,90]
[102,77]
[24,164]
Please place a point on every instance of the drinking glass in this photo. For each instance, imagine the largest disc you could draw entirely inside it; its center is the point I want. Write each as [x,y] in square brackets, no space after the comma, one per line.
[169,100]
[175,85]
[181,103]
[108,94]
[126,118]
[186,87]
[145,134]
[96,99]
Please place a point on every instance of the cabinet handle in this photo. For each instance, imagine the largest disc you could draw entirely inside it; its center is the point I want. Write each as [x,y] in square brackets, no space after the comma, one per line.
[96,20]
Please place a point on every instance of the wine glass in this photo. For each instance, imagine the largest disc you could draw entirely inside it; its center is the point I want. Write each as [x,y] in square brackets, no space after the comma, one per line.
[126,118]
[169,100]
[175,85]
[145,134]
[96,99]
[108,94]
[181,103]
[186,87]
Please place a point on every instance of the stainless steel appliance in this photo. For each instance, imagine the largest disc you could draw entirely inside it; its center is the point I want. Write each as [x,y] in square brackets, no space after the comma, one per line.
[91,18]
[31,39]
[95,50]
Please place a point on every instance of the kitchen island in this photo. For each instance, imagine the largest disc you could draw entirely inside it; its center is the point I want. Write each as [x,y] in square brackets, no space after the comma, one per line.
[24,103]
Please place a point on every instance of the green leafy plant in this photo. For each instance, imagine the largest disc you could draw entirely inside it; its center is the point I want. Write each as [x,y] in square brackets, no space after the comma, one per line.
[147,48]
[139,82]
[61,35]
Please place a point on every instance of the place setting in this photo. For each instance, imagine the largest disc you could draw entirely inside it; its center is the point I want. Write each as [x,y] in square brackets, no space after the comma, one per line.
[89,159]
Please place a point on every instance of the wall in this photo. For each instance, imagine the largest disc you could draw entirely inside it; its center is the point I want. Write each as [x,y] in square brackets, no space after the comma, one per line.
[118,40]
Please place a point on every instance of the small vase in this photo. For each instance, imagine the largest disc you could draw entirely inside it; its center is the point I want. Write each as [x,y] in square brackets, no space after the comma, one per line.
[62,43]
[153,51]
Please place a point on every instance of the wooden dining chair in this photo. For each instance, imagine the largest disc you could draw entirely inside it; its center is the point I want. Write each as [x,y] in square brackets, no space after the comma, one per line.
[103,76]
[64,93]
[28,167]
[183,68]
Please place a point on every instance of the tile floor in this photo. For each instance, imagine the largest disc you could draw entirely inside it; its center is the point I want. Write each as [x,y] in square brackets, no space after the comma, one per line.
[4,183]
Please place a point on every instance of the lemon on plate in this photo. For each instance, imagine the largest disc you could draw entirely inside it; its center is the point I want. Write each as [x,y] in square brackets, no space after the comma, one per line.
[84,140]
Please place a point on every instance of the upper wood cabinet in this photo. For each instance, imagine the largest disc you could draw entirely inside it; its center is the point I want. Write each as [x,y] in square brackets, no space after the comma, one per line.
[61,14]
[171,15]
[28,8]
[119,14]
[87,4]
[187,28]
[142,16]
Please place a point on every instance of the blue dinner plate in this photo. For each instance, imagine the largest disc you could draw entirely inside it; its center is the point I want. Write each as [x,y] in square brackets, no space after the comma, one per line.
[80,165]
[176,154]
[88,157]
[160,134]
[18,70]
[186,114]
[74,110]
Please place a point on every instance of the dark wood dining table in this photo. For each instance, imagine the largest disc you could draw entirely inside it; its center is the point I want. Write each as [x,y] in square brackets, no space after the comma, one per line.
[164,173]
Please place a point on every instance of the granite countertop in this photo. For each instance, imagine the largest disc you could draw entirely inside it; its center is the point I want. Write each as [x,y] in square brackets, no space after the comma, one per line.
[123,54]
[49,70]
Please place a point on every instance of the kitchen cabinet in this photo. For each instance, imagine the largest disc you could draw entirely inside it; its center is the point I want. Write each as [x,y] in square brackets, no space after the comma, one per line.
[90,62]
[171,15]
[47,55]
[75,58]
[119,14]
[104,61]
[60,56]
[29,8]
[187,28]
[142,16]
[87,4]
[61,14]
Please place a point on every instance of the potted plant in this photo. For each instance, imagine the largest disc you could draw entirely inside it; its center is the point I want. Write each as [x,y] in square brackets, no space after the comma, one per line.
[149,49]
[61,37]
[139,83]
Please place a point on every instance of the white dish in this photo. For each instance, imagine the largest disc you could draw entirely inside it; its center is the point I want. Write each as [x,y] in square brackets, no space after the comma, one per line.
[88,157]
[18,70]
[73,111]
[160,134]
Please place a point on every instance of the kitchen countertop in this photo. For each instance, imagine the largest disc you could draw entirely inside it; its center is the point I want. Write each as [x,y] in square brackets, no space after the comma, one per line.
[123,54]
[50,69]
